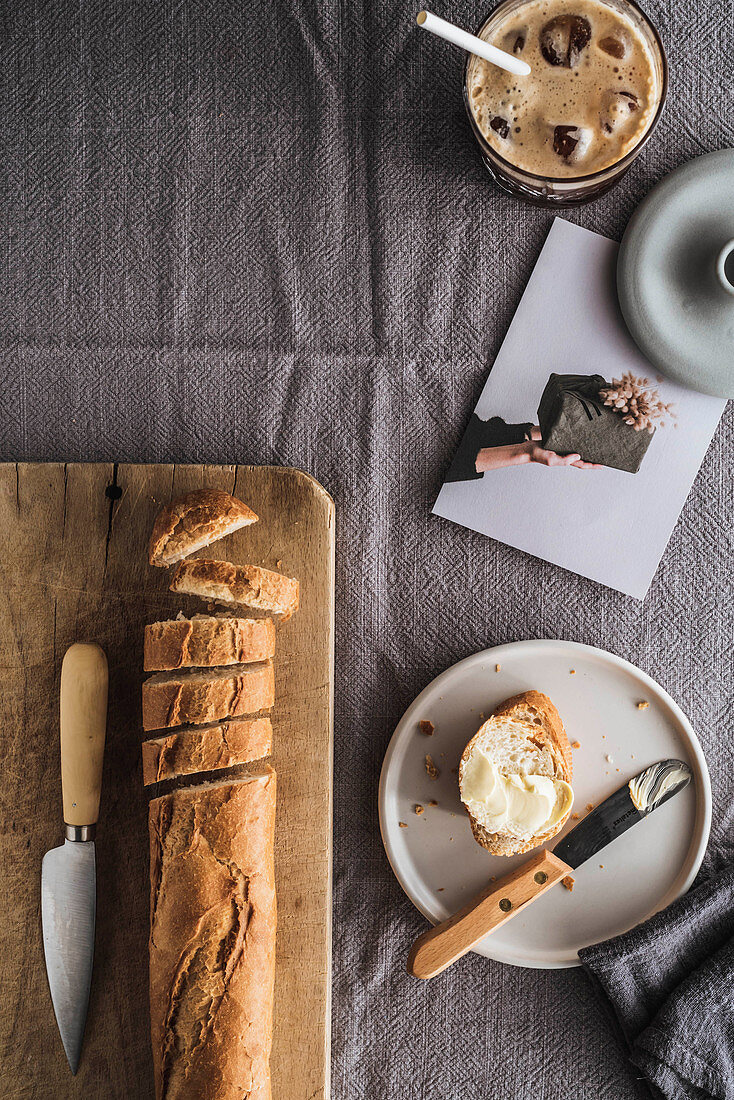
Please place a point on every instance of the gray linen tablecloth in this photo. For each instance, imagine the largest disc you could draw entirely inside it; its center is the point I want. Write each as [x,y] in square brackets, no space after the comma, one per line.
[262,233]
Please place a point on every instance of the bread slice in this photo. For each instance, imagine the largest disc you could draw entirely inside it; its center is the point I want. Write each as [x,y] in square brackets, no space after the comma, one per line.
[524,735]
[206,641]
[197,696]
[240,585]
[212,939]
[206,748]
[193,521]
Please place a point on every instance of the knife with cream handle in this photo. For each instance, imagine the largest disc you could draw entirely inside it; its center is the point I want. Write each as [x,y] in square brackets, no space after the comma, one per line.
[68,875]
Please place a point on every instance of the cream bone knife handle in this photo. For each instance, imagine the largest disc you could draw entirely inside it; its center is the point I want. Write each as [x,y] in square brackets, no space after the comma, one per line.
[499,902]
[83,724]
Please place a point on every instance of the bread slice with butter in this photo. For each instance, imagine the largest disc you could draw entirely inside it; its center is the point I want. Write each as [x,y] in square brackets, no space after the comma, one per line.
[515,776]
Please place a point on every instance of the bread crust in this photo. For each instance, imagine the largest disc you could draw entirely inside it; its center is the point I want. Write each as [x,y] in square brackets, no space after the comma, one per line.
[241,585]
[206,748]
[557,737]
[207,642]
[550,734]
[193,521]
[212,940]
[196,697]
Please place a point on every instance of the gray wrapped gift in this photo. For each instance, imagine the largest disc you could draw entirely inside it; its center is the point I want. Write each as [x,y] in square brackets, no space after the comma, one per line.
[573,419]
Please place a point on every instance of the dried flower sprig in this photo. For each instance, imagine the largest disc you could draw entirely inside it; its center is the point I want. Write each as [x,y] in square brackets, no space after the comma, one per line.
[637,403]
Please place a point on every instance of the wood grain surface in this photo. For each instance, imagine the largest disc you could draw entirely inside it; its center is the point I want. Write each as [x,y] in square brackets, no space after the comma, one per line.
[74,568]
[499,902]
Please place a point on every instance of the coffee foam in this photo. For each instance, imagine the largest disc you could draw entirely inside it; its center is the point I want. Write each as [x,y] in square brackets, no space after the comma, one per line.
[603,105]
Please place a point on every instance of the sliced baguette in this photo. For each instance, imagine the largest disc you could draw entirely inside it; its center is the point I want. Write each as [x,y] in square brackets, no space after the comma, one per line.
[524,734]
[206,641]
[238,585]
[194,521]
[206,748]
[212,939]
[196,696]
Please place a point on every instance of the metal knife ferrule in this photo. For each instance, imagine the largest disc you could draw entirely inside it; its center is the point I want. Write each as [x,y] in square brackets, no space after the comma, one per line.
[80,832]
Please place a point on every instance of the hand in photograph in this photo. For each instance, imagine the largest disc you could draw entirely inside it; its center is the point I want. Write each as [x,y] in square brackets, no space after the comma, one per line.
[531,450]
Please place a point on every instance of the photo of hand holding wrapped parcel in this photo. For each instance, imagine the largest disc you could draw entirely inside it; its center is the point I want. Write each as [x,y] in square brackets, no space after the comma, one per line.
[578,450]
[583,421]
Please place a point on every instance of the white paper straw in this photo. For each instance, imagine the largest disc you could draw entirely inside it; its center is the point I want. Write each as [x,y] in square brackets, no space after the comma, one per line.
[471,43]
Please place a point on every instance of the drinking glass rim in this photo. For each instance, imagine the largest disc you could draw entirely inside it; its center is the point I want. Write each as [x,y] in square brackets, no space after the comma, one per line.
[573,180]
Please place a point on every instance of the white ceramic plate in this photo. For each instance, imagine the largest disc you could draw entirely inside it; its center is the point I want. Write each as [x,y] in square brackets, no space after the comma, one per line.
[439,864]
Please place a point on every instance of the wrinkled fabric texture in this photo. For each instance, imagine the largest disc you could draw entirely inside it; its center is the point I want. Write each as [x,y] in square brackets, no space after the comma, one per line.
[669,984]
[263,233]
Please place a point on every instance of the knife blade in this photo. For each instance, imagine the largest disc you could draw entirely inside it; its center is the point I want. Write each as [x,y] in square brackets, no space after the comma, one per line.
[437,948]
[68,907]
[68,874]
[623,809]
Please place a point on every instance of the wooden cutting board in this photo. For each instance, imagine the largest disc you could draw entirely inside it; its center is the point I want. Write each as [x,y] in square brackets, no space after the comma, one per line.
[73,567]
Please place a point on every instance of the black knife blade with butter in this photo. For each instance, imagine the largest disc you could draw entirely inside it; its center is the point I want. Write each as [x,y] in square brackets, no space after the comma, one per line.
[501,900]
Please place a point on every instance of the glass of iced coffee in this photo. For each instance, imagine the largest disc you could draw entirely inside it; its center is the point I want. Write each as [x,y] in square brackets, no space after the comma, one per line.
[571,129]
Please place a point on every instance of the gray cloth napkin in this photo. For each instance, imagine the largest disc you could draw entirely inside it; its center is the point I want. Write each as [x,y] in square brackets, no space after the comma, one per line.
[670,985]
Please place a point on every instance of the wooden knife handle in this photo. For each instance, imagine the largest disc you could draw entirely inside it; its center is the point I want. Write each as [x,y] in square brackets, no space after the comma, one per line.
[83,724]
[499,902]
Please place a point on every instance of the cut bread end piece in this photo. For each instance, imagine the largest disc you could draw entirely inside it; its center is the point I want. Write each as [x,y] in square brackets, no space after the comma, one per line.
[213,917]
[237,585]
[193,521]
[523,737]
[206,748]
[198,696]
[207,641]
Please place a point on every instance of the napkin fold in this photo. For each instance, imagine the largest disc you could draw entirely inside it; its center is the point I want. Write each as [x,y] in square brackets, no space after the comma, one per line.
[669,984]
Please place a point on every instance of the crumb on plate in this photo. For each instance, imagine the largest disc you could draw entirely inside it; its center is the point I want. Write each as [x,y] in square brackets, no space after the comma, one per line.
[425,726]
[575,744]
[433,802]
[568,882]
[498,668]
[643,704]
[418,808]
[402,825]
[432,770]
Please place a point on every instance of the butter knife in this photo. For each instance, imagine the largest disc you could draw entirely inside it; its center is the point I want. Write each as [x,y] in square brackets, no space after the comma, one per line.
[504,899]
